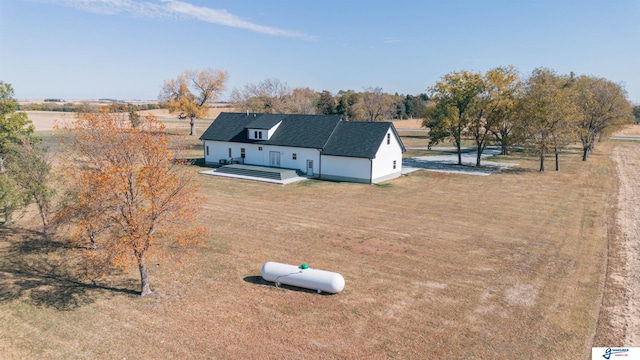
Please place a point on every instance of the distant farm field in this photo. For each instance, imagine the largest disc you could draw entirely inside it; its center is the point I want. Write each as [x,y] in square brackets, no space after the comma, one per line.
[510,265]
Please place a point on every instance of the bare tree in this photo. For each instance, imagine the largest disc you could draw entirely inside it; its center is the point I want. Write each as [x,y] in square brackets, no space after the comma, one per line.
[270,96]
[376,104]
[302,101]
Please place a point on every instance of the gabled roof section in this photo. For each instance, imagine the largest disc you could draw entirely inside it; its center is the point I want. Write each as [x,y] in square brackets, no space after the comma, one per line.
[229,127]
[307,131]
[265,121]
[359,139]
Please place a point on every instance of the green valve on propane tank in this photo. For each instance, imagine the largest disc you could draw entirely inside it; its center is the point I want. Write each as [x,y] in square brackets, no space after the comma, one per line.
[304,266]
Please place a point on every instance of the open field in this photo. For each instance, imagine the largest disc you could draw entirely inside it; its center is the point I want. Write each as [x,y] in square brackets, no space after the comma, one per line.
[629,130]
[436,266]
[45,120]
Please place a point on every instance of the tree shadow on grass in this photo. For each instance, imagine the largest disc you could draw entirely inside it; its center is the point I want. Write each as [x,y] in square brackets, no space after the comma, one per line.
[518,170]
[196,161]
[45,273]
[258,280]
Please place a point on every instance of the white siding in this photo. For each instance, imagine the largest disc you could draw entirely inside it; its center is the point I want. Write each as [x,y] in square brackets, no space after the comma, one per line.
[330,167]
[253,156]
[220,150]
[286,157]
[386,155]
[346,168]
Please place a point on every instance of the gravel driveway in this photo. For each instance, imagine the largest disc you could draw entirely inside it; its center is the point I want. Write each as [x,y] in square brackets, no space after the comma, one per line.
[449,163]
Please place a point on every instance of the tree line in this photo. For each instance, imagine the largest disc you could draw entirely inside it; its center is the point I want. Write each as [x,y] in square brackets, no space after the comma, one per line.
[191,93]
[82,107]
[271,96]
[543,113]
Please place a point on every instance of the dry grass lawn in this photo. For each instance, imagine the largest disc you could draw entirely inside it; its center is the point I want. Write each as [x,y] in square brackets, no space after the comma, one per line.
[436,266]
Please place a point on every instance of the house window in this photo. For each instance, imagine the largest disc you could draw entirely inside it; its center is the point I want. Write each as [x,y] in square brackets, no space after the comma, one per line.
[255,134]
[242,154]
[230,152]
[294,156]
[259,134]
[394,164]
[207,150]
[259,148]
[389,140]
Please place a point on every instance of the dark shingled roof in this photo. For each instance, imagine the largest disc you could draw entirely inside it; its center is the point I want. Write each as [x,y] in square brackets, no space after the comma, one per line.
[229,127]
[327,132]
[358,139]
[307,131]
[265,121]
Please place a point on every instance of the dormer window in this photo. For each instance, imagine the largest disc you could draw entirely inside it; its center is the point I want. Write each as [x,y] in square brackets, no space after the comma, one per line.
[263,129]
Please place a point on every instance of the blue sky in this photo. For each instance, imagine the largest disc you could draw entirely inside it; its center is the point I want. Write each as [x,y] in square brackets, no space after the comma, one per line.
[125,49]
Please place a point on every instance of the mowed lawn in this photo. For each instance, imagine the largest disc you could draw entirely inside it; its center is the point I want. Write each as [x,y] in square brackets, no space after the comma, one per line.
[436,266]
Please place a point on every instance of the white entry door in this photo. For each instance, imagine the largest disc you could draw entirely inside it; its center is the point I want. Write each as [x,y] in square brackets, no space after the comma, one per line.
[274,158]
[309,167]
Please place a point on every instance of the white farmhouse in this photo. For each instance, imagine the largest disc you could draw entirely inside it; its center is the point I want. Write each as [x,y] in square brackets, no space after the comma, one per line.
[319,146]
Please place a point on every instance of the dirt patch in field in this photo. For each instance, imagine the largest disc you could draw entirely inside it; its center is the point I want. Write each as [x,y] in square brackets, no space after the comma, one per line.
[619,323]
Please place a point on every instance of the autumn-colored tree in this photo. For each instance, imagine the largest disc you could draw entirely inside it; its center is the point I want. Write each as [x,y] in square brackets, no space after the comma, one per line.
[602,106]
[491,111]
[192,92]
[505,88]
[547,113]
[454,96]
[302,101]
[131,196]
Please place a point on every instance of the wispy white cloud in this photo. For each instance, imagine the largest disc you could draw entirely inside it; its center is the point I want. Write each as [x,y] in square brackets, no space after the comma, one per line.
[223,17]
[390,40]
[176,9]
